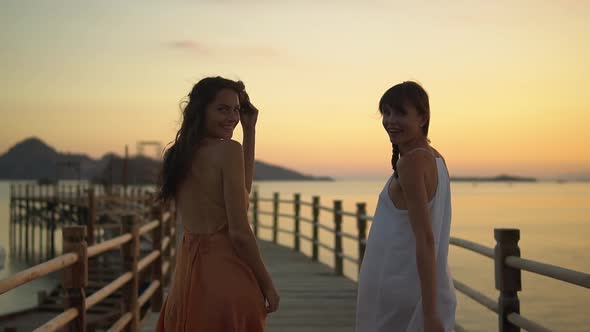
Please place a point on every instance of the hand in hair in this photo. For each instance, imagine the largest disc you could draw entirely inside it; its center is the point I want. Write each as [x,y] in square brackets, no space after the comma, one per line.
[248,112]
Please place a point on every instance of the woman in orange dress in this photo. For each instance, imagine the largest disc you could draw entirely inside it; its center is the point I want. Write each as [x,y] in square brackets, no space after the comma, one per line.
[220,282]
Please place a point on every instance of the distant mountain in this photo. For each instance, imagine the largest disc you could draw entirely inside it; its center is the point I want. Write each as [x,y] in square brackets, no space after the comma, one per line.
[499,178]
[268,172]
[33,159]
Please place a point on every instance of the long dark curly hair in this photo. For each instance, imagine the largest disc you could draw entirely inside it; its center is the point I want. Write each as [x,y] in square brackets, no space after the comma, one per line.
[179,154]
[397,97]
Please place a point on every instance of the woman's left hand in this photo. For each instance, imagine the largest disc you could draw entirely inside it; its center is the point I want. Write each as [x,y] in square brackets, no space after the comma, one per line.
[248,112]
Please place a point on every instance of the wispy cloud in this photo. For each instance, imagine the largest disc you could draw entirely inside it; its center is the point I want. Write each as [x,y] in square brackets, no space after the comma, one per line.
[189,46]
[202,49]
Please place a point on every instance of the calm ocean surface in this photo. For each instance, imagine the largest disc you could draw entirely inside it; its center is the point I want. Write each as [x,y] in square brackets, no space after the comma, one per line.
[554,220]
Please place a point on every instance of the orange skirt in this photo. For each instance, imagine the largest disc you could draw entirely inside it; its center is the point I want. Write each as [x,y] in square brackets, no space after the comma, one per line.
[213,289]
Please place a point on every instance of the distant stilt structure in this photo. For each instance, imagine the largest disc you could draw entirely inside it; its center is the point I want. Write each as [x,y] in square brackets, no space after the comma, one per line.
[12,221]
[125,171]
[27,221]
[19,220]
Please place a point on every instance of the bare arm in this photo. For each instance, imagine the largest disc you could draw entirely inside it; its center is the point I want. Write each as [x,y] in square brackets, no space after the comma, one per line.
[248,118]
[412,171]
[240,233]
[249,143]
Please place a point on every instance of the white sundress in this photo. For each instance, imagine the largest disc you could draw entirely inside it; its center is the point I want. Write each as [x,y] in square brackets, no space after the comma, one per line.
[389,292]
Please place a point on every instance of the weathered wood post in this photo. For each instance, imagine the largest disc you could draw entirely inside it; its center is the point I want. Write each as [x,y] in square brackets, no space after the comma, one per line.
[130,259]
[76,276]
[338,255]
[275,217]
[315,228]
[296,211]
[361,224]
[158,296]
[173,231]
[255,212]
[168,224]
[508,279]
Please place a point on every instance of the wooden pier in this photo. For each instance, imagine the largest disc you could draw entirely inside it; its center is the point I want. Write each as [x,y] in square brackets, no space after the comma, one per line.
[118,254]
[314,297]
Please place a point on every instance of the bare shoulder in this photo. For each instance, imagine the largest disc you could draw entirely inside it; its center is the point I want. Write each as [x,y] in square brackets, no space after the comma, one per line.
[413,164]
[229,146]
[225,151]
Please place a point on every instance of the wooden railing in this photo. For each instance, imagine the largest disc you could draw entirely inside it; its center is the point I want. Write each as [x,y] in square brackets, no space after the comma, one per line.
[38,211]
[506,254]
[74,263]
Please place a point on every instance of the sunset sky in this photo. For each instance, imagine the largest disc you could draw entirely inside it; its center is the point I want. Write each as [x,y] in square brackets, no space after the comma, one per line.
[509,81]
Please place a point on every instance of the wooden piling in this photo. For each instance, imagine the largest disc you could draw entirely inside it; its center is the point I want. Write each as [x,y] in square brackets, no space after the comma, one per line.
[315,228]
[338,252]
[76,276]
[508,279]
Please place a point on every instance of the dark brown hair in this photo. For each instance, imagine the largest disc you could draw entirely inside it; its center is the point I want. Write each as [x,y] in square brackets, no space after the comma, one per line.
[397,97]
[178,156]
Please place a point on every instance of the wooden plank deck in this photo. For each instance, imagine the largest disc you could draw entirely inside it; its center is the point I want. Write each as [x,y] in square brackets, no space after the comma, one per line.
[312,297]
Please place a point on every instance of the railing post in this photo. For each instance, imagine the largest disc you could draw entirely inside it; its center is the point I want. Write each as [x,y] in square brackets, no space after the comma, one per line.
[167,254]
[158,296]
[76,276]
[130,258]
[275,217]
[315,235]
[296,210]
[255,212]
[172,248]
[338,237]
[361,224]
[508,279]
[91,215]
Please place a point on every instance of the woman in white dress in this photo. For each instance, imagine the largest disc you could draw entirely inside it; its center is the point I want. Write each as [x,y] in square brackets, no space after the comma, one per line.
[404,282]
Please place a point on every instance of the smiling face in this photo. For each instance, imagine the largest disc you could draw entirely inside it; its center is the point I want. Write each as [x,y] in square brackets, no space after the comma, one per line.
[403,124]
[405,111]
[222,115]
